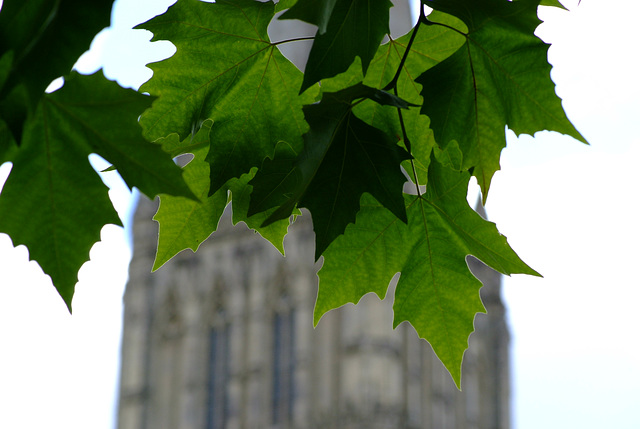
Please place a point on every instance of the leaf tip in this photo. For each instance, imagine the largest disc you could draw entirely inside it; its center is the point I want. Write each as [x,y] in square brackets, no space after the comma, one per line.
[66,294]
[158,263]
[317,315]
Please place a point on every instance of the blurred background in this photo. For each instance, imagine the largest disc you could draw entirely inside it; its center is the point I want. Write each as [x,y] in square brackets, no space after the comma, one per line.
[568,209]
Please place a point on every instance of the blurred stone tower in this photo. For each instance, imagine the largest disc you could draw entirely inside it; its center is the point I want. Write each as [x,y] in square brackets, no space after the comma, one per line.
[224,339]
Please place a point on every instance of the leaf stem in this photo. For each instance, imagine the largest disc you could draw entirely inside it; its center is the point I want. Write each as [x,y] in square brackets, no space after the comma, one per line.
[423,19]
[394,81]
[393,84]
[296,39]
[407,143]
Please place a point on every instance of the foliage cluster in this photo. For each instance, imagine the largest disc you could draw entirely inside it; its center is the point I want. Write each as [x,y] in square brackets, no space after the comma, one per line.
[342,139]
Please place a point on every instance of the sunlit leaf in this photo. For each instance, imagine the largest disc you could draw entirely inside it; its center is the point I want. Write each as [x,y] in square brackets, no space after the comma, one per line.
[500,77]
[226,69]
[436,291]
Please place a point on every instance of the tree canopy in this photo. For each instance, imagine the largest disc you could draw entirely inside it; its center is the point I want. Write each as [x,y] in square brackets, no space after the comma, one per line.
[341,139]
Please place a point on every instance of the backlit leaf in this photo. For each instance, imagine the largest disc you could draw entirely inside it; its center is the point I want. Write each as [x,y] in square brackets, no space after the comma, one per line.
[186,223]
[347,29]
[343,157]
[432,45]
[436,291]
[226,69]
[316,12]
[499,77]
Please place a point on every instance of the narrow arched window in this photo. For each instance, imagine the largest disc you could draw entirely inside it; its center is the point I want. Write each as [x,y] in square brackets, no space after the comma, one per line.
[284,365]
[219,360]
[218,398]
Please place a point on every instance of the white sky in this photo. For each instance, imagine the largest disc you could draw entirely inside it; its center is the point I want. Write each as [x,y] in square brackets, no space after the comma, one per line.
[568,209]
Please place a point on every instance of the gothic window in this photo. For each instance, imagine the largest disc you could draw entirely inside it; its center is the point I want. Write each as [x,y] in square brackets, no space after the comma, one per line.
[219,357]
[283,388]
[218,398]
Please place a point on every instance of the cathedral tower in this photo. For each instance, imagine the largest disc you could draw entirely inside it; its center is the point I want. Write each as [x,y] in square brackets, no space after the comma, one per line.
[224,339]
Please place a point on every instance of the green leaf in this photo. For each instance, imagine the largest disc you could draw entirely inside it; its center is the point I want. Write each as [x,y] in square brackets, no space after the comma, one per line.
[240,190]
[92,104]
[343,157]
[186,223]
[226,69]
[450,157]
[8,145]
[14,110]
[53,186]
[48,36]
[436,292]
[53,202]
[6,61]
[355,28]
[500,77]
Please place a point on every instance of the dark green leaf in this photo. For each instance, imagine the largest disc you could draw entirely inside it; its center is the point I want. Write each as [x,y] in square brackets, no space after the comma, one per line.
[6,62]
[276,180]
[8,145]
[343,157]
[91,105]
[48,36]
[53,202]
[240,190]
[14,110]
[432,44]
[316,12]
[355,29]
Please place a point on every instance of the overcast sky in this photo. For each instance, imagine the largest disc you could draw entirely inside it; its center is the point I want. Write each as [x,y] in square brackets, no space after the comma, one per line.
[569,210]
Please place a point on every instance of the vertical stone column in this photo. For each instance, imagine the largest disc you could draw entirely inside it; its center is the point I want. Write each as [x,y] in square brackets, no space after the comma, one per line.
[136,336]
